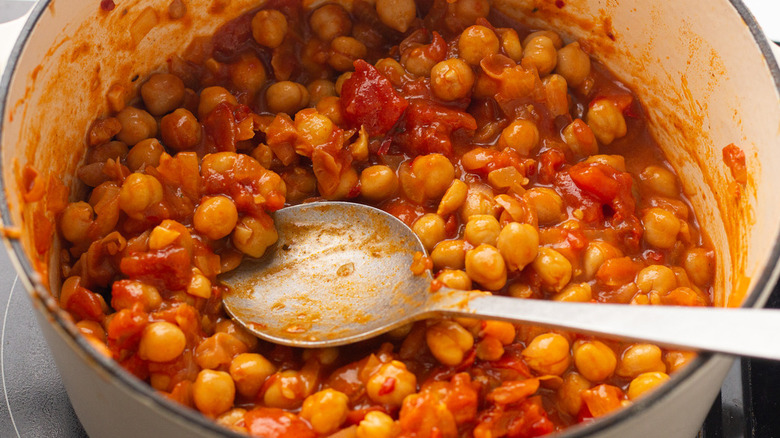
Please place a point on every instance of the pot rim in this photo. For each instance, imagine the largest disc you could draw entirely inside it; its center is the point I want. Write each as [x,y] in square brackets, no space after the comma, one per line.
[763,286]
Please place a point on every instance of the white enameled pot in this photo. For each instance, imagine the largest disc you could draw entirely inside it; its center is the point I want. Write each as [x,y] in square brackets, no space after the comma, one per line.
[702,68]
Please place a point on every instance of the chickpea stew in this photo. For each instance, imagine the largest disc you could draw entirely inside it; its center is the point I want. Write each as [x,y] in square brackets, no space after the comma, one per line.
[524,167]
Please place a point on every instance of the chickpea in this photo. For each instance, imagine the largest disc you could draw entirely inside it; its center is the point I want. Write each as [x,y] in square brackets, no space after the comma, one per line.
[660,181]
[330,21]
[575,293]
[213,392]
[548,354]
[215,217]
[430,229]
[211,97]
[594,360]
[477,42]
[452,79]
[540,52]
[569,393]
[485,265]
[378,182]
[661,228]
[436,173]
[479,200]
[326,410]
[392,70]
[518,244]
[180,130]
[675,360]
[482,228]
[580,139]
[454,279]
[699,264]
[657,278]
[233,419]
[638,359]
[92,329]
[145,153]
[269,27]
[644,383]
[448,342]
[405,383]
[138,193]
[489,348]
[344,52]
[137,125]
[113,150]
[547,202]
[341,79]
[162,93]
[449,254]
[313,127]
[521,135]
[330,106]
[510,44]
[397,14]
[287,390]
[319,89]
[347,182]
[253,237]
[453,198]
[596,254]
[556,39]
[553,268]
[249,371]
[127,293]
[606,121]
[573,64]
[161,342]
[286,97]
[377,424]
[248,73]
[76,220]
[615,161]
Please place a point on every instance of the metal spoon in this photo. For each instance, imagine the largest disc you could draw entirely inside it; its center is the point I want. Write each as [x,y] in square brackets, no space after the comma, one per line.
[340,273]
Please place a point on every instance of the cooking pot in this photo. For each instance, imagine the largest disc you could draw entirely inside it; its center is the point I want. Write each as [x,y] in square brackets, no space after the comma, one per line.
[702,68]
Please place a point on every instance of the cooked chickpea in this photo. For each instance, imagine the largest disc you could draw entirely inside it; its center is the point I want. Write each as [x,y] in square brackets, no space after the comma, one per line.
[521,135]
[392,70]
[135,292]
[479,200]
[319,89]
[348,180]
[606,121]
[378,182]
[638,359]
[330,106]
[344,51]
[325,410]
[144,153]
[575,293]
[657,278]
[252,236]
[269,27]
[552,35]
[436,173]
[286,97]
[233,419]
[594,360]
[580,139]
[210,97]
[618,162]
[330,21]
[213,392]
[162,93]
[485,265]
[699,264]
[452,79]
[215,217]
[449,254]
[569,393]
[477,42]
[454,279]
[137,125]
[180,130]
[430,229]
[556,91]
[547,202]
[161,342]
[518,244]
[675,360]
[661,228]
[573,64]
[448,342]
[92,328]
[596,254]
[539,52]
[249,371]
[341,79]
[76,220]
[286,390]
[313,127]
[139,192]
[553,268]
[397,14]
[248,73]
[377,424]
[482,228]
[405,383]
[113,150]
[644,383]
[548,354]
[659,180]
[453,198]
[510,44]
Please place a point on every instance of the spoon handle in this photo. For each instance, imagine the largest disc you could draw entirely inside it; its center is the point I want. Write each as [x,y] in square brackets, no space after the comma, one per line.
[742,332]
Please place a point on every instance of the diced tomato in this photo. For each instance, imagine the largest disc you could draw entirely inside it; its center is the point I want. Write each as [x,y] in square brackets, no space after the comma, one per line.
[274,422]
[532,421]
[602,399]
[550,162]
[734,158]
[167,268]
[369,99]
[428,128]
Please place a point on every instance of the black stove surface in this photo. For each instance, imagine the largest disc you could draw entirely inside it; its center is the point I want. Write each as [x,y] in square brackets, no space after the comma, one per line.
[34,402]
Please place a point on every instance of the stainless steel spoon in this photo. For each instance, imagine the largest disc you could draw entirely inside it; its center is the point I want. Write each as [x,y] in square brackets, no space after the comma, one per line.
[340,273]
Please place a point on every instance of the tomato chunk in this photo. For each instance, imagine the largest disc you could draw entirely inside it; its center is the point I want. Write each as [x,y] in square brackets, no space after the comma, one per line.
[369,99]
[267,422]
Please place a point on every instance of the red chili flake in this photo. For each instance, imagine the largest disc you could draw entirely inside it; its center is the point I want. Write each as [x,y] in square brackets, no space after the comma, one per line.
[560,4]
[107,5]
[387,386]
